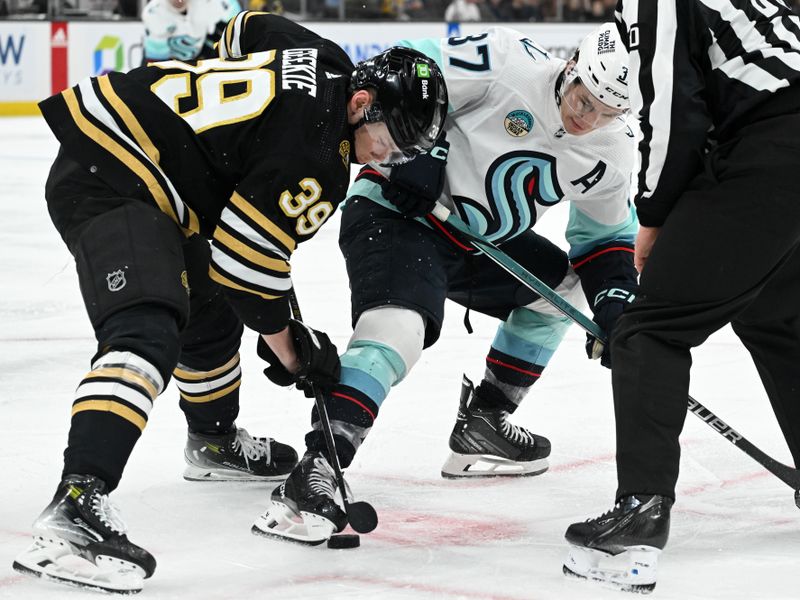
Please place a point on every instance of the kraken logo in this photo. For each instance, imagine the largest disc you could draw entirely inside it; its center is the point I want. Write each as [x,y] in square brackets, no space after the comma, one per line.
[514,184]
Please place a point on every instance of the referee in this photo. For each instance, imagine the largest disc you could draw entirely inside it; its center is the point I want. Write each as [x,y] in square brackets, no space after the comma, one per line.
[715,86]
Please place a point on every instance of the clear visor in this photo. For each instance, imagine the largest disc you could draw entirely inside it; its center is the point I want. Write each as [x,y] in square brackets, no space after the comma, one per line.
[584,107]
[382,148]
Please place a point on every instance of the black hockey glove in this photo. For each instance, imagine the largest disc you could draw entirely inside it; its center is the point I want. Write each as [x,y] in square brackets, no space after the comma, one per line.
[608,306]
[317,355]
[415,186]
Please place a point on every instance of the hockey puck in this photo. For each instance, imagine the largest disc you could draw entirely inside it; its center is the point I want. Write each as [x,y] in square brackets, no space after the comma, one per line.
[344,540]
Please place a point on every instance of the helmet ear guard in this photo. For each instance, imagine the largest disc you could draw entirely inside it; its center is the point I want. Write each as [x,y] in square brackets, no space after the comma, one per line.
[411,96]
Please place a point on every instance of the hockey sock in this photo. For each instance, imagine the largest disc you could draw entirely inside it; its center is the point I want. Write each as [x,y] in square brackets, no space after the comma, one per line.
[521,349]
[506,382]
[111,408]
[351,414]
[210,399]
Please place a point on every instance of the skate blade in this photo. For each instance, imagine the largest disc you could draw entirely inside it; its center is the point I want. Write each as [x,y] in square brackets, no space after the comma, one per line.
[281,522]
[54,560]
[195,473]
[635,572]
[459,466]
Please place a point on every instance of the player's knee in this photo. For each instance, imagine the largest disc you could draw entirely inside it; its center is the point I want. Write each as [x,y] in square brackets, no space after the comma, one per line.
[568,288]
[536,327]
[150,331]
[400,330]
[212,336]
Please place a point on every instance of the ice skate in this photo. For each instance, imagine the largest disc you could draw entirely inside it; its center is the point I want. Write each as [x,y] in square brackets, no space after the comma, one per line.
[236,456]
[485,444]
[303,508]
[79,540]
[635,530]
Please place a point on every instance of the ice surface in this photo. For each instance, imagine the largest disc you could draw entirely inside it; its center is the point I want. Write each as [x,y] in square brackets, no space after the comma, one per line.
[736,530]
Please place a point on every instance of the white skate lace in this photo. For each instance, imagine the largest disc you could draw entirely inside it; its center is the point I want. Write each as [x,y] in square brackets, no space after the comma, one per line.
[517,435]
[252,448]
[321,478]
[108,513]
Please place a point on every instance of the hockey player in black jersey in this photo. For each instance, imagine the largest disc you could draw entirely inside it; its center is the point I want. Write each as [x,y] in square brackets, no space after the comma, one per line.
[716,89]
[251,151]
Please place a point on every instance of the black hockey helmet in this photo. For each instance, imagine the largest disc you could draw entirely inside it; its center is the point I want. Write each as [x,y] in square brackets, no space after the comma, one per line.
[411,96]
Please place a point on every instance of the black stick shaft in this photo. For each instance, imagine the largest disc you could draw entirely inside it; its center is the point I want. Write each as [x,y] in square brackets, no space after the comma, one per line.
[322,411]
[331,445]
[325,422]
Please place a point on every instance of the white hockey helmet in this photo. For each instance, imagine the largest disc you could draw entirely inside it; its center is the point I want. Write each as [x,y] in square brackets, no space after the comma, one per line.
[602,66]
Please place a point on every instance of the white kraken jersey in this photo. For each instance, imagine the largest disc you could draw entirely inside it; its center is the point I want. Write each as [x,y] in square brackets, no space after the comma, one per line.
[510,159]
[173,33]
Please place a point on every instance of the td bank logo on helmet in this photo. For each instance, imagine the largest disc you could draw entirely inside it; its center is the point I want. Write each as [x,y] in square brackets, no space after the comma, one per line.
[424,72]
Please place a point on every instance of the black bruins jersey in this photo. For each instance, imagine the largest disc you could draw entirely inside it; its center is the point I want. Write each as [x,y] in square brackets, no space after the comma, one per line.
[251,149]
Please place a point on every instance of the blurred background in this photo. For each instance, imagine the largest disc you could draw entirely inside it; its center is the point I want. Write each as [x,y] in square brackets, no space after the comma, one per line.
[403,10]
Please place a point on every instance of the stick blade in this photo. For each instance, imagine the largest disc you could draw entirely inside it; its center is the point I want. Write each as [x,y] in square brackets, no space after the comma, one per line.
[362,517]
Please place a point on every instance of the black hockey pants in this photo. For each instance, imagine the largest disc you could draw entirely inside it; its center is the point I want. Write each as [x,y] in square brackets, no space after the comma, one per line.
[135,267]
[727,253]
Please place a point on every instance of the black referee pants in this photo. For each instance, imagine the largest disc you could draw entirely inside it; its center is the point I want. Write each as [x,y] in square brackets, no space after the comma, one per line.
[728,253]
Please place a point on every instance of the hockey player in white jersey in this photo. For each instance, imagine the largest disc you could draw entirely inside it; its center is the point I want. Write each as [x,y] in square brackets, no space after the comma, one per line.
[185,29]
[525,131]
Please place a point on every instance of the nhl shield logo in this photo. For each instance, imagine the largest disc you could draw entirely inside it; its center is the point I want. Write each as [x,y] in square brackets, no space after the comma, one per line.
[116,280]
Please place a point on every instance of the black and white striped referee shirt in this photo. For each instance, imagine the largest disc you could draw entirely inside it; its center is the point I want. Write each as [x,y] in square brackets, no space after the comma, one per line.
[700,69]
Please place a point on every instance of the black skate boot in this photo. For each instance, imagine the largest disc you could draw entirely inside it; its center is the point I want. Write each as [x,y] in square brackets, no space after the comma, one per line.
[485,444]
[236,456]
[638,526]
[303,507]
[79,539]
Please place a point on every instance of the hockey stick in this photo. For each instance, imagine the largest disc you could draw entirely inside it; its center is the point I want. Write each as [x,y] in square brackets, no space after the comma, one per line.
[787,474]
[361,515]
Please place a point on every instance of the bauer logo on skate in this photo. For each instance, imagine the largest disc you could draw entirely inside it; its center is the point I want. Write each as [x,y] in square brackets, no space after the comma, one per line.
[116,280]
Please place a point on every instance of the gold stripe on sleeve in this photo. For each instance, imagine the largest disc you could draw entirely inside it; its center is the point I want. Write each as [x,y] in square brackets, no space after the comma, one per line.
[263,222]
[222,280]
[242,249]
[127,117]
[123,155]
[229,36]
[144,141]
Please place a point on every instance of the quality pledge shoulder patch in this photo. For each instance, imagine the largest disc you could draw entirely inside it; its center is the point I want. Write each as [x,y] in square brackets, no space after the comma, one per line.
[518,123]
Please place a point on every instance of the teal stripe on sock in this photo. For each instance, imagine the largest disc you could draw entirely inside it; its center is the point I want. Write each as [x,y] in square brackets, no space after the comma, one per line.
[366,384]
[530,335]
[372,368]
